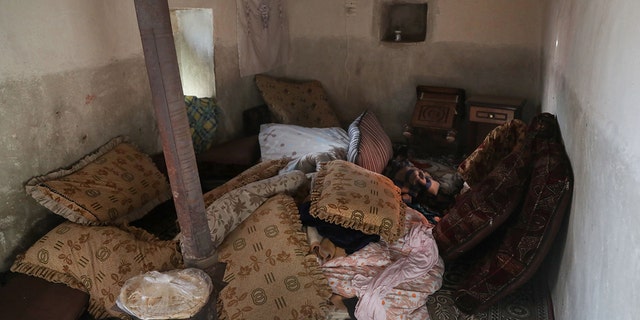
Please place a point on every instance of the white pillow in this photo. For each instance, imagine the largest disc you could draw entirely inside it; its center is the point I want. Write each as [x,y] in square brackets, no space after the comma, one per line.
[279,141]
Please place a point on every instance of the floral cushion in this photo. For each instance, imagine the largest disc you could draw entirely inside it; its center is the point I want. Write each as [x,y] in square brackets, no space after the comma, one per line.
[226,213]
[115,184]
[269,272]
[369,145]
[353,197]
[97,260]
[501,141]
[302,103]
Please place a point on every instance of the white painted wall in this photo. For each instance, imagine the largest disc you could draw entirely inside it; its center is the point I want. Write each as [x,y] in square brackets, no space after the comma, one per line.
[592,82]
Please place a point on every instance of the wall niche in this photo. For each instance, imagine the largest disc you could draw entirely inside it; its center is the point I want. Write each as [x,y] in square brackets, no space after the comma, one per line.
[404,22]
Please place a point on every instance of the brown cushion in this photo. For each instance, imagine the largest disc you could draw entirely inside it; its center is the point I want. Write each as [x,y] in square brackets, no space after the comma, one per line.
[528,237]
[481,210]
[270,272]
[32,298]
[97,260]
[115,184]
[302,103]
[346,194]
[369,145]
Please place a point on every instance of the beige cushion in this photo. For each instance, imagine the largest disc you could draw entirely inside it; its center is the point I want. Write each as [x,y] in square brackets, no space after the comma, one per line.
[226,213]
[116,184]
[351,196]
[269,272]
[97,260]
[302,103]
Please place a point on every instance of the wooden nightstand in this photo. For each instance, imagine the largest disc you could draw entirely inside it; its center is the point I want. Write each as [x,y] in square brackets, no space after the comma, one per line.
[488,112]
[436,121]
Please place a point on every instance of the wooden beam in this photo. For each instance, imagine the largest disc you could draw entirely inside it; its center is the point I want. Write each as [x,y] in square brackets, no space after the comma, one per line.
[154,23]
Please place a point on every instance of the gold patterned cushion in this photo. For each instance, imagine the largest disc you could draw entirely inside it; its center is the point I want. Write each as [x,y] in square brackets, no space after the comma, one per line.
[115,184]
[269,272]
[97,260]
[302,103]
[353,197]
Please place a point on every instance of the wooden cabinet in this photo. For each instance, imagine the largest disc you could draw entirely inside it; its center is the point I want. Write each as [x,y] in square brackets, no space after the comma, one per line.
[488,112]
[436,121]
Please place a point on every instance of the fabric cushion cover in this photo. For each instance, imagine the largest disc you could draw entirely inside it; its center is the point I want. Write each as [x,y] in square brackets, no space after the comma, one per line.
[303,103]
[97,260]
[369,145]
[115,184]
[501,141]
[353,197]
[481,210]
[269,270]
[527,238]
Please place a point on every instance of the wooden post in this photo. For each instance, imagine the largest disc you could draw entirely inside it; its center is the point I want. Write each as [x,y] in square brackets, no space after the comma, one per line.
[154,23]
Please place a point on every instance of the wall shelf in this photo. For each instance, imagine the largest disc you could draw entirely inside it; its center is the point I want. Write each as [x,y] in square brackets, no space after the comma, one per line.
[404,22]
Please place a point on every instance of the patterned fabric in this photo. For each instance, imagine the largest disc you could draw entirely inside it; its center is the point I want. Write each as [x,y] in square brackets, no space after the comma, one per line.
[263,35]
[97,260]
[300,103]
[226,213]
[528,237]
[269,272]
[291,141]
[116,184]
[501,141]
[407,299]
[353,197]
[369,146]
[203,121]
[481,210]
[262,170]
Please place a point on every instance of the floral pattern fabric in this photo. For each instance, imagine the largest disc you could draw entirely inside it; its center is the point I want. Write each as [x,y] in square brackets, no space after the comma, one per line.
[269,271]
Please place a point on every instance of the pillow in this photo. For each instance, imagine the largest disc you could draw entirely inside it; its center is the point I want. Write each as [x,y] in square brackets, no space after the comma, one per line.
[369,146]
[300,103]
[97,260]
[203,121]
[353,197]
[481,210]
[226,213]
[501,141]
[262,170]
[310,162]
[527,238]
[269,271]
[115,184]
[279,141]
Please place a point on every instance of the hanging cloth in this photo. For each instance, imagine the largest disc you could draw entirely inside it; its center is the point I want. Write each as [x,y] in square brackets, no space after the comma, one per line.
[263,35]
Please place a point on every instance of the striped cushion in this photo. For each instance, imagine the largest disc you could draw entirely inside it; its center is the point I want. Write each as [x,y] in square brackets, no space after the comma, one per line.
[369,146]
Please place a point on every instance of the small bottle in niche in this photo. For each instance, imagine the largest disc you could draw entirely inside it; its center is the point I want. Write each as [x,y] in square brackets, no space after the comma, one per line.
[398,35]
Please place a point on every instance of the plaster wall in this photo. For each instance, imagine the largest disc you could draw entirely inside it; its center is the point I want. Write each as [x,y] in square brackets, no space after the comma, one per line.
[72,76]
[488,47]
[592,82]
